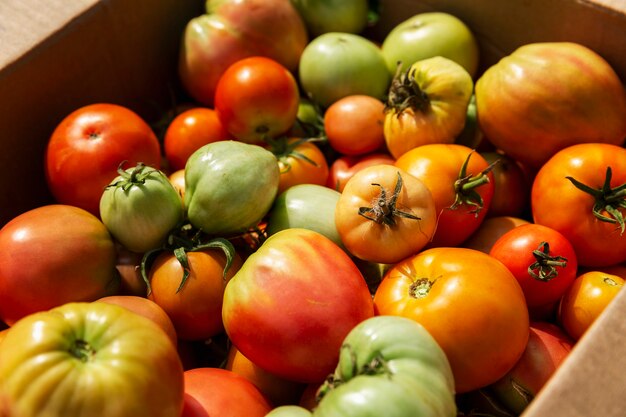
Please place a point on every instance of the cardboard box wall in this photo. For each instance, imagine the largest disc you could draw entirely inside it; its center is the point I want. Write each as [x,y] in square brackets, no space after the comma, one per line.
[58,55]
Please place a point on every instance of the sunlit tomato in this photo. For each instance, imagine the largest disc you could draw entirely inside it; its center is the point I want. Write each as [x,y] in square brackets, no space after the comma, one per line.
[546,96]
[385,214]
[542,260]
[580,193]
[511,195]
[87,147]
[426,104]
[471,304]
[177,178]
[548,346]
[257,98]
[344,167]
[490,230]
[54,254]
[301,162]
[194,303]
[461,183]
[278,390]
[223,393]
[354,124]
[586,299]
[146,308]
[188,131]
[292,303]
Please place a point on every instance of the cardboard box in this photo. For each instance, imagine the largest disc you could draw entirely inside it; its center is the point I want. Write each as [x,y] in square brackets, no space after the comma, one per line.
[58,55]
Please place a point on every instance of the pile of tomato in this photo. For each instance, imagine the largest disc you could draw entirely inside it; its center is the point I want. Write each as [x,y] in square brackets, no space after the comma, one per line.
[326,225]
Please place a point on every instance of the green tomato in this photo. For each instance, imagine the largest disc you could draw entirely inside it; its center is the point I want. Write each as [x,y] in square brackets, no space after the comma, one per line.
[289,411]
[322,16]
[335,65]
[308,206]
[140,208]
[426,35]
[90,359]
[391,366]
[230,186]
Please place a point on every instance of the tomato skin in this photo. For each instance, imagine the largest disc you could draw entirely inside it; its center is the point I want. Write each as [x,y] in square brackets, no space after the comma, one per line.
[438,166]
[585,300]
[521,114]
[190,130]
[295,169]
[515,250]
[490,231]
[256,99]
[344,167]
[548,346]
[218,392]
[276,308]
[558,204]
[469,302]
[87,147]
[59,254]
[354,124]
[511,194]
[369,240]
[195,310]
[46,358]
[348,16]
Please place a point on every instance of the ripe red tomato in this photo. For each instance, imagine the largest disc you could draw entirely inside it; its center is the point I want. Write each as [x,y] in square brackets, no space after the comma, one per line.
[87,147]
[218,392]
[344,167]
[470,303]
[542,260]
[257,99]
[188,131]
[385,214]
[354,124]
[194,306]
[55,254]
[461,184]
[580,193]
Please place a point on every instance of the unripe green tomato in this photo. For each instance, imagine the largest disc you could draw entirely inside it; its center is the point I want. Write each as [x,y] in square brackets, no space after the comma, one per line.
[140,207]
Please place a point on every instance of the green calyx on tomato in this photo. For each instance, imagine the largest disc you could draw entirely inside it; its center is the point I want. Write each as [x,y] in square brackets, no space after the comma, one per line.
[405,92]
[607,200]
[135,176]
[283,148]
[182,241]
[466,184]
[545,264]
[384,210]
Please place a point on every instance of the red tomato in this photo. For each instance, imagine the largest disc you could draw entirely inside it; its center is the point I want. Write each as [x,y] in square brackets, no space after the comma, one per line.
[128,267]
[218,392]
[548,346]
[194,306]
[462,195]
[300,162]
[58,254]
[87,147]
[293,302]
[579,192]
[257,99]
[354,125]
[188,131]
[586,299]
[542,260]
[490,230]
[512,186]
[385,214]
[146,308]
[278,390]
[470,303]
[344,167]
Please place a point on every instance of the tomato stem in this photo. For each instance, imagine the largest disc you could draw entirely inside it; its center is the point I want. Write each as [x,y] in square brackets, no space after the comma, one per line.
[405,92]
[545,264]
[466,184]
[384,211]
[607,200]
[420,288]
[82,350]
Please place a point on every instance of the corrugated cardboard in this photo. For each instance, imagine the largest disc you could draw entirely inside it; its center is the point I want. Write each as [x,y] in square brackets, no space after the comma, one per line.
[57,55]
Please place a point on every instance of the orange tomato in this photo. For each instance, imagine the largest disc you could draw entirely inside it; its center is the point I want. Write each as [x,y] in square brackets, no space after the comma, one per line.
[586,299]
[177,178]
[354,124]
[301,162]
[385,214]
[470,303]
